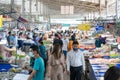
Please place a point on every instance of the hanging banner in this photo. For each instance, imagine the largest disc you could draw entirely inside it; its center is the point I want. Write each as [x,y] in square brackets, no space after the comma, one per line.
[65,25]
[1,21]
[84,27]
[99,28]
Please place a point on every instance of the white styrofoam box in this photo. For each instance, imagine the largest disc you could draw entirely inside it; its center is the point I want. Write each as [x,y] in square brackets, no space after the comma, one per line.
[21,77]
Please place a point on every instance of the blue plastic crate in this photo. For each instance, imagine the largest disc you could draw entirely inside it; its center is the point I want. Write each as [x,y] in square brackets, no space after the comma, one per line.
[4,67]
[118,65]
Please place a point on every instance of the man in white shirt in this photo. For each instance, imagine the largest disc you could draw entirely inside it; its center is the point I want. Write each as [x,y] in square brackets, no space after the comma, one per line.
[65,46]
[75,62]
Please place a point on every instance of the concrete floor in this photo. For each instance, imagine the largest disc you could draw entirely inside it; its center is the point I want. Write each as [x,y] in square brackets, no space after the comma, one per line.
[66,77]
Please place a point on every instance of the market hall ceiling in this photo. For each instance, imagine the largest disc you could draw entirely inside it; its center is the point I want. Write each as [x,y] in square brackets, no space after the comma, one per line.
[79,5]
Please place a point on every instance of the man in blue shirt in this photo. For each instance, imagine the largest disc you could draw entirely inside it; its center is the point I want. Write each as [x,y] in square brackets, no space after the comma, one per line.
[42,50]
[43,54]
[38,68]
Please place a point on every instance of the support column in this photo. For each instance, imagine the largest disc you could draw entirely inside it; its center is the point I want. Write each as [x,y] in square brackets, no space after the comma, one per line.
[36,5]
[30,8]
[117,29]
[116,8]
[100,8]
[23,7]
[12,5]
[106,3]
[40,7]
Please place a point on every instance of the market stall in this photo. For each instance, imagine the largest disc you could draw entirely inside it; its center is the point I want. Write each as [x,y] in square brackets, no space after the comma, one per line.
[100,66]
[103,57]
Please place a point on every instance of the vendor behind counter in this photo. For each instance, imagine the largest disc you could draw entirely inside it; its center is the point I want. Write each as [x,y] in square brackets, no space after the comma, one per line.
[4,51]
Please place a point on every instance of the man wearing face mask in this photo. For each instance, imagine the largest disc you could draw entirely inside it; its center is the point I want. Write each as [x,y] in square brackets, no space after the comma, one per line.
[75,62]
[38,68]
[32,59]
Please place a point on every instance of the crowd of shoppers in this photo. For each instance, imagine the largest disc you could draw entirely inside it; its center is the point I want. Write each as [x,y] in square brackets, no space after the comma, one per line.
[62,59]
[65,56]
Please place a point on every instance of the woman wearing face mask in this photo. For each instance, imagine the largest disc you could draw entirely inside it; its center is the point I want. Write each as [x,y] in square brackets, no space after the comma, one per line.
[56,64]
[75,62]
